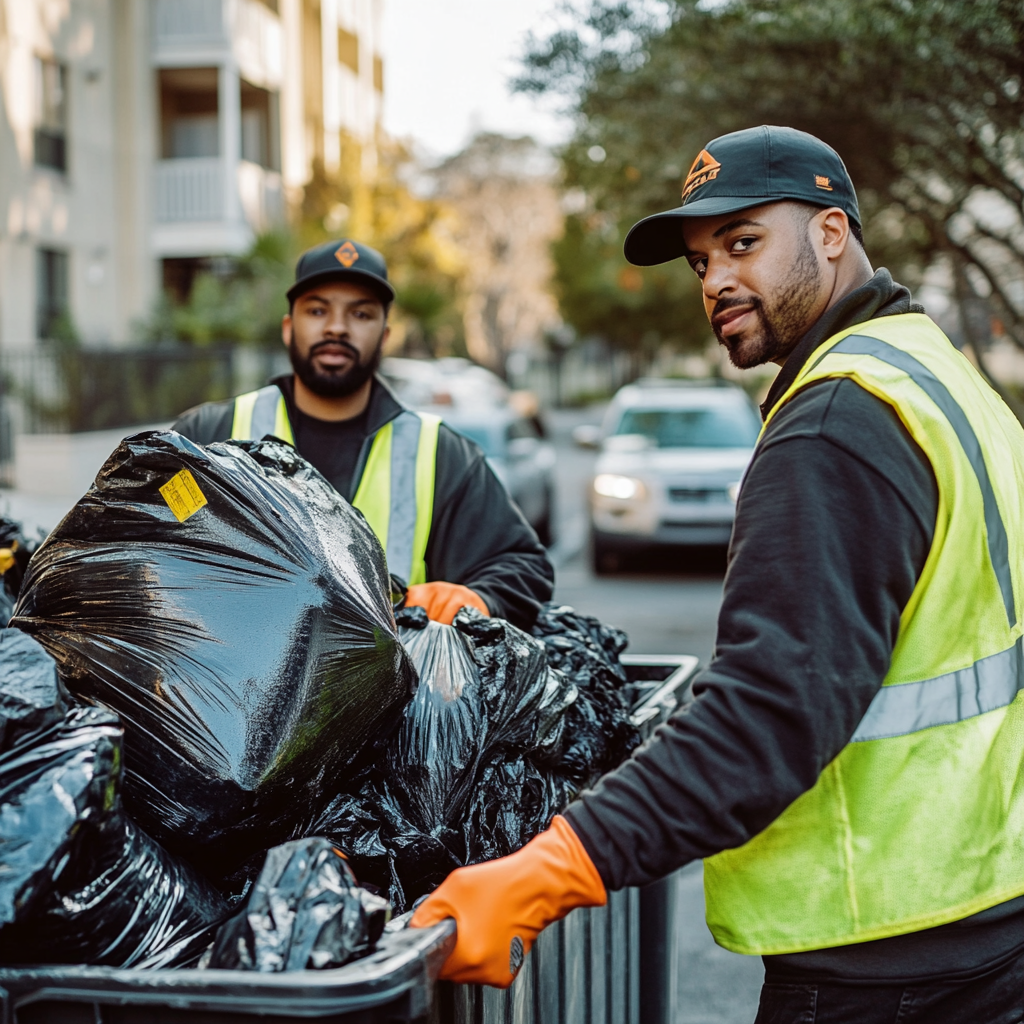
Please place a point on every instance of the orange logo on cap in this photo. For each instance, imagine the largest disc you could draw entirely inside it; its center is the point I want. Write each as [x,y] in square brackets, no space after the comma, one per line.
[822,182]
[704,169]
[347,255]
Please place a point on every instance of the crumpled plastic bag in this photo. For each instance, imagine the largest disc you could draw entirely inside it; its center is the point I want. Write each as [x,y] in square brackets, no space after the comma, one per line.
[79,882]
[485,755]
[234,611]
[304,912]
[586,650]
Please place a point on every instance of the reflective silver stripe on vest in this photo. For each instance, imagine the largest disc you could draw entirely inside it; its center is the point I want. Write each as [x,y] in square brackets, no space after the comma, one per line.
[264,412]
[405,444]
[987,685]
[998,544]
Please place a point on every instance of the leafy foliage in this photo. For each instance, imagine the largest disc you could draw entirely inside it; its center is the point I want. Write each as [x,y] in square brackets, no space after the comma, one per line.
[922,99]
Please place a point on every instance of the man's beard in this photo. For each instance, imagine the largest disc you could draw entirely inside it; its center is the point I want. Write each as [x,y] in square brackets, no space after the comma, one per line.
[335,384]
[783,322]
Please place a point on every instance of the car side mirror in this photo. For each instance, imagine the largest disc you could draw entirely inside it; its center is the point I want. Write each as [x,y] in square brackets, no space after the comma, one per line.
[587,436]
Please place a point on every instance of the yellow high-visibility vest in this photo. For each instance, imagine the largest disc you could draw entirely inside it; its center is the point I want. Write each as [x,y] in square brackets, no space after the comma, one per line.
[396,490]
[919,821]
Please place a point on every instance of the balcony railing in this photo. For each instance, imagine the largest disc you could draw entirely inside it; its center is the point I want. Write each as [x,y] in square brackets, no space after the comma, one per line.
[179,23]
[198,28]
[261,195]
[190,190]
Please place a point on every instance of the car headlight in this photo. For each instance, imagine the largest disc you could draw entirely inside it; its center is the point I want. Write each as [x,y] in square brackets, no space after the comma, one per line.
[734,491]
[625,488]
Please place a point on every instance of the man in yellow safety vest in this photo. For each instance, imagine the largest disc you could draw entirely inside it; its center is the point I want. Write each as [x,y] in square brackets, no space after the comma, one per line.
[447,525]
[851,769]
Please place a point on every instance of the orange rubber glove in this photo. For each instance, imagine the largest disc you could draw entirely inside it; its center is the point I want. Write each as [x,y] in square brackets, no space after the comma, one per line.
[501,906]
[443,600]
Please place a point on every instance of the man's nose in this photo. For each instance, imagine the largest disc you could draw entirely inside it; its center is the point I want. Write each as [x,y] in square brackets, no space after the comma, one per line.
[336,326]
[719,280]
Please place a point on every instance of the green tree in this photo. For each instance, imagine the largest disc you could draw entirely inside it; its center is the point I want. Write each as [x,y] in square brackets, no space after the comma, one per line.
[922,98]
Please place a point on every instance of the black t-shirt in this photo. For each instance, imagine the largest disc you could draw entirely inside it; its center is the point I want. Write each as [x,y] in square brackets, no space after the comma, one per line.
[333,446]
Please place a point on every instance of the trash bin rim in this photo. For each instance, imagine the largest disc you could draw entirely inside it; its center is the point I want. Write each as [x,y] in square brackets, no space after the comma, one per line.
[403,961]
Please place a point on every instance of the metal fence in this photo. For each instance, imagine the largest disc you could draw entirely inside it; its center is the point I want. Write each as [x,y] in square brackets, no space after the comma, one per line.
[71,390]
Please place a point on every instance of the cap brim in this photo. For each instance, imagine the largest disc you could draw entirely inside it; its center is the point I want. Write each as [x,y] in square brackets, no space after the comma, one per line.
[371,281]
[659,238]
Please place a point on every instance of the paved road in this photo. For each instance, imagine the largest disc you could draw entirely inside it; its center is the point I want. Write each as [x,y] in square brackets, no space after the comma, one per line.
[666,605]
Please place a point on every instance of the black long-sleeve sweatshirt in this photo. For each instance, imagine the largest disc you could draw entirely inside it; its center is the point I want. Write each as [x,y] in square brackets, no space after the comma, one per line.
[833,527]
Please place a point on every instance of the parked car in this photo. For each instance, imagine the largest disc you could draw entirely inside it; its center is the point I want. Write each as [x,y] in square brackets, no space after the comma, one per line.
[672,456]
[452,381]
[522,459]
[479,404]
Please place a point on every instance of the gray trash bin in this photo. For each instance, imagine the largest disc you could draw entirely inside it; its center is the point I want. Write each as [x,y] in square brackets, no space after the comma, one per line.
[607,965]
[614,964]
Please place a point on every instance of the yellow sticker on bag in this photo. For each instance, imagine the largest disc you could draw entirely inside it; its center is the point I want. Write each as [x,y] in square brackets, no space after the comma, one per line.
[183,496]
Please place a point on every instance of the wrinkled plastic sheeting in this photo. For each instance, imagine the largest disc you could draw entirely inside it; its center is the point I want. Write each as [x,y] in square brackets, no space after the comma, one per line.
[80,883]
[304,912]
[586,650]
[250,649]
[457,783]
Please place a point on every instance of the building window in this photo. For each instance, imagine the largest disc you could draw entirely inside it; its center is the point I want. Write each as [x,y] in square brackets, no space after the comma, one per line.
[50,138]
[259,127]
[52,310]
[189,122]
[348,49]
[378,73]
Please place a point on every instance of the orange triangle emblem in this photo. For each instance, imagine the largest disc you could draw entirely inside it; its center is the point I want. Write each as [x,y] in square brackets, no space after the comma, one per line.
[347,254]
[704,169]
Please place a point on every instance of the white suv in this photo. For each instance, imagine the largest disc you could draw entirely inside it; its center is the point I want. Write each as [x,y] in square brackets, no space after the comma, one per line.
[672,458]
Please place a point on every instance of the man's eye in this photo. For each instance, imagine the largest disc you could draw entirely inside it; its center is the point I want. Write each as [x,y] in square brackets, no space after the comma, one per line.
[742,244]
[700,268]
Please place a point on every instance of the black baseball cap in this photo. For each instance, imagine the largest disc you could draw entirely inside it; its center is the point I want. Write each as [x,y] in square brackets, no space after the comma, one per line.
[343,260]
[740,170]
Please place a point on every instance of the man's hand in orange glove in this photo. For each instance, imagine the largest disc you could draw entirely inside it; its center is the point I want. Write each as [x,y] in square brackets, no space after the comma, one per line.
[443,600]
[500,907]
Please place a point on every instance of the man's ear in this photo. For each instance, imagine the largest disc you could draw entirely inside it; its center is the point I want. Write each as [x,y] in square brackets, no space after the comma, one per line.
[286,329]
[834,231]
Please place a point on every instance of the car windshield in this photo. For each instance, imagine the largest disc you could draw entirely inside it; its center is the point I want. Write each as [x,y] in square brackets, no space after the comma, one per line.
[711,427]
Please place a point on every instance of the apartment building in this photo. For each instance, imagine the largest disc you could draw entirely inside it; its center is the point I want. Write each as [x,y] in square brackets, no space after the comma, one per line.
[142,139]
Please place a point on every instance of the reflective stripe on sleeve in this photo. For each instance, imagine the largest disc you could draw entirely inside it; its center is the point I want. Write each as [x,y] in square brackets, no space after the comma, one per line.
[903,708]
[998,544]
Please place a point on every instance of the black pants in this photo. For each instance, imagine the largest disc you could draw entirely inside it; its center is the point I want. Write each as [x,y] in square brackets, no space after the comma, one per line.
[994,998]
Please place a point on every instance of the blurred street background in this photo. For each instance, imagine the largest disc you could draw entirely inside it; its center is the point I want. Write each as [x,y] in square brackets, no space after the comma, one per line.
[164,162]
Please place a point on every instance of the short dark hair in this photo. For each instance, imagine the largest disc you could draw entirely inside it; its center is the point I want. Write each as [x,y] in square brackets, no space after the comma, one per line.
[855,229]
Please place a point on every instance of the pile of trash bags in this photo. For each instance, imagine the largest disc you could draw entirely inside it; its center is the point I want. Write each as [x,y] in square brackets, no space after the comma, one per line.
[205,665]
[80,882]
[234,611]
[504,730]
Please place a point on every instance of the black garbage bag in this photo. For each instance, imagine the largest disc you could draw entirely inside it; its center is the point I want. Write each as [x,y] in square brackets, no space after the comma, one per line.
[80,883]
[305,911]
[451,787]
[234,611]
[601,735]
[15,551]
